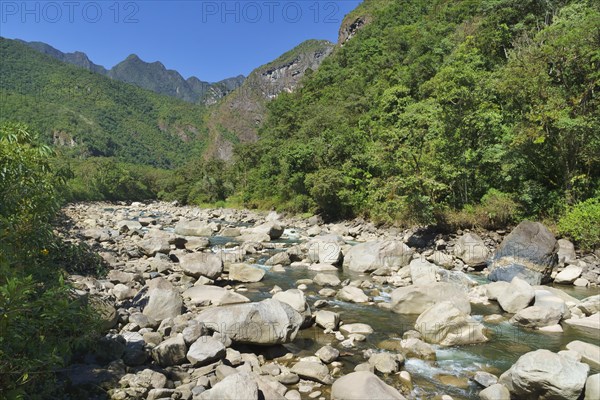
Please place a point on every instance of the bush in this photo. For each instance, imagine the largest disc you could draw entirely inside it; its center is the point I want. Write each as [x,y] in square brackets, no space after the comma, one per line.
[582,224]
[41,322]
[497,210]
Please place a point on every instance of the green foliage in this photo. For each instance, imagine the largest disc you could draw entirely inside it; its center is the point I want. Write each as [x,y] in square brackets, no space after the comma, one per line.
[41,322]
[93,115]
[435,107]
[582,223]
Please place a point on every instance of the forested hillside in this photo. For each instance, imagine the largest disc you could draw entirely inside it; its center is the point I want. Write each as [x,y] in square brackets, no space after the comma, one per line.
[91,115]
[434,107]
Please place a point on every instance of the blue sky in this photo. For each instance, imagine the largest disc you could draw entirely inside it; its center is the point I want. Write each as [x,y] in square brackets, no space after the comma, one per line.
[208,39]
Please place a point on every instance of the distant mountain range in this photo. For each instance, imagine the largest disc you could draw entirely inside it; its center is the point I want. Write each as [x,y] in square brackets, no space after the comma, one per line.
[152,76]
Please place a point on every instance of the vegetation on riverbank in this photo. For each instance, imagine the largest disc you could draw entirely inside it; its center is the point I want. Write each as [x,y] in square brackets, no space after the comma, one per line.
[42,322]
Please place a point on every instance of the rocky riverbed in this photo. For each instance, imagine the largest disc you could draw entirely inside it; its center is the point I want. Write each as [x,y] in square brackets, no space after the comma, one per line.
[236,304]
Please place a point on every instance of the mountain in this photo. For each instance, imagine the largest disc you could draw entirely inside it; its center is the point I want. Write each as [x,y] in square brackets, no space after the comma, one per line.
[152,76]
[239,115]
[87,114]
[77,58]
[436,111]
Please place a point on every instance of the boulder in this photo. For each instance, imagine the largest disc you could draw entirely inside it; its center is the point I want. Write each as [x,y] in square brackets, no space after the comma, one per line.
[274,229]
[517,296]
[590,305]
[495,392]
[193,228]
[446,325]
[195,243]
[568,275]
[592,387]
[352,294]
[417,298]
[201,264]
[442,259]
[327,354]
[471,250]
[233,387]
[153,245]
[326,249]
[204,295]
[362,329]
[296,299]
[536,317]
[327,319]
[170,352]
[591,323]
[546,299]
[281,258]
[545,375]
[164,301]
[245,273]
[205,350]
[369,256]
[386,363]
[267,322]
[314,371]
[326,280]
[363,385]
[566,251]
[485,379]
[416,348]
[590,353]
[529,252]
[422,272]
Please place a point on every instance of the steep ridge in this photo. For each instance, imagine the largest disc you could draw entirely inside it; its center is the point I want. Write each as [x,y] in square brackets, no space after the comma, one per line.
[238,116]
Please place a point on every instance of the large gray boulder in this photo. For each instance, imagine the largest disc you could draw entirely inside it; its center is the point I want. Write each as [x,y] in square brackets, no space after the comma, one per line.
[363,385]
[352,294]
[545,375]
[590,353]
[202,264]
[193,228]
[369,256]
[164,301]
[471,249]
[326,249]
[422,272]
[170,352]
[274,229]
[495,392]
[245,273]
[516,296]
[592,387]
[267,322]
[446,325]
[312,370]
[205,295]
[205,350]
[417,298]
[233,387]
[566,251]
[536,317]
[297,300]
[529,252]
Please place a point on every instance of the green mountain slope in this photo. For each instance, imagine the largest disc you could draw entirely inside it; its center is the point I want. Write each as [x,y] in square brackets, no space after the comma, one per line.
[427,107]
[152,76]
[92,115]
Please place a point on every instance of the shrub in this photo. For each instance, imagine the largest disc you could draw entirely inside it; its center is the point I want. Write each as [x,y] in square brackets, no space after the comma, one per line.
[41,322]
[582,223]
